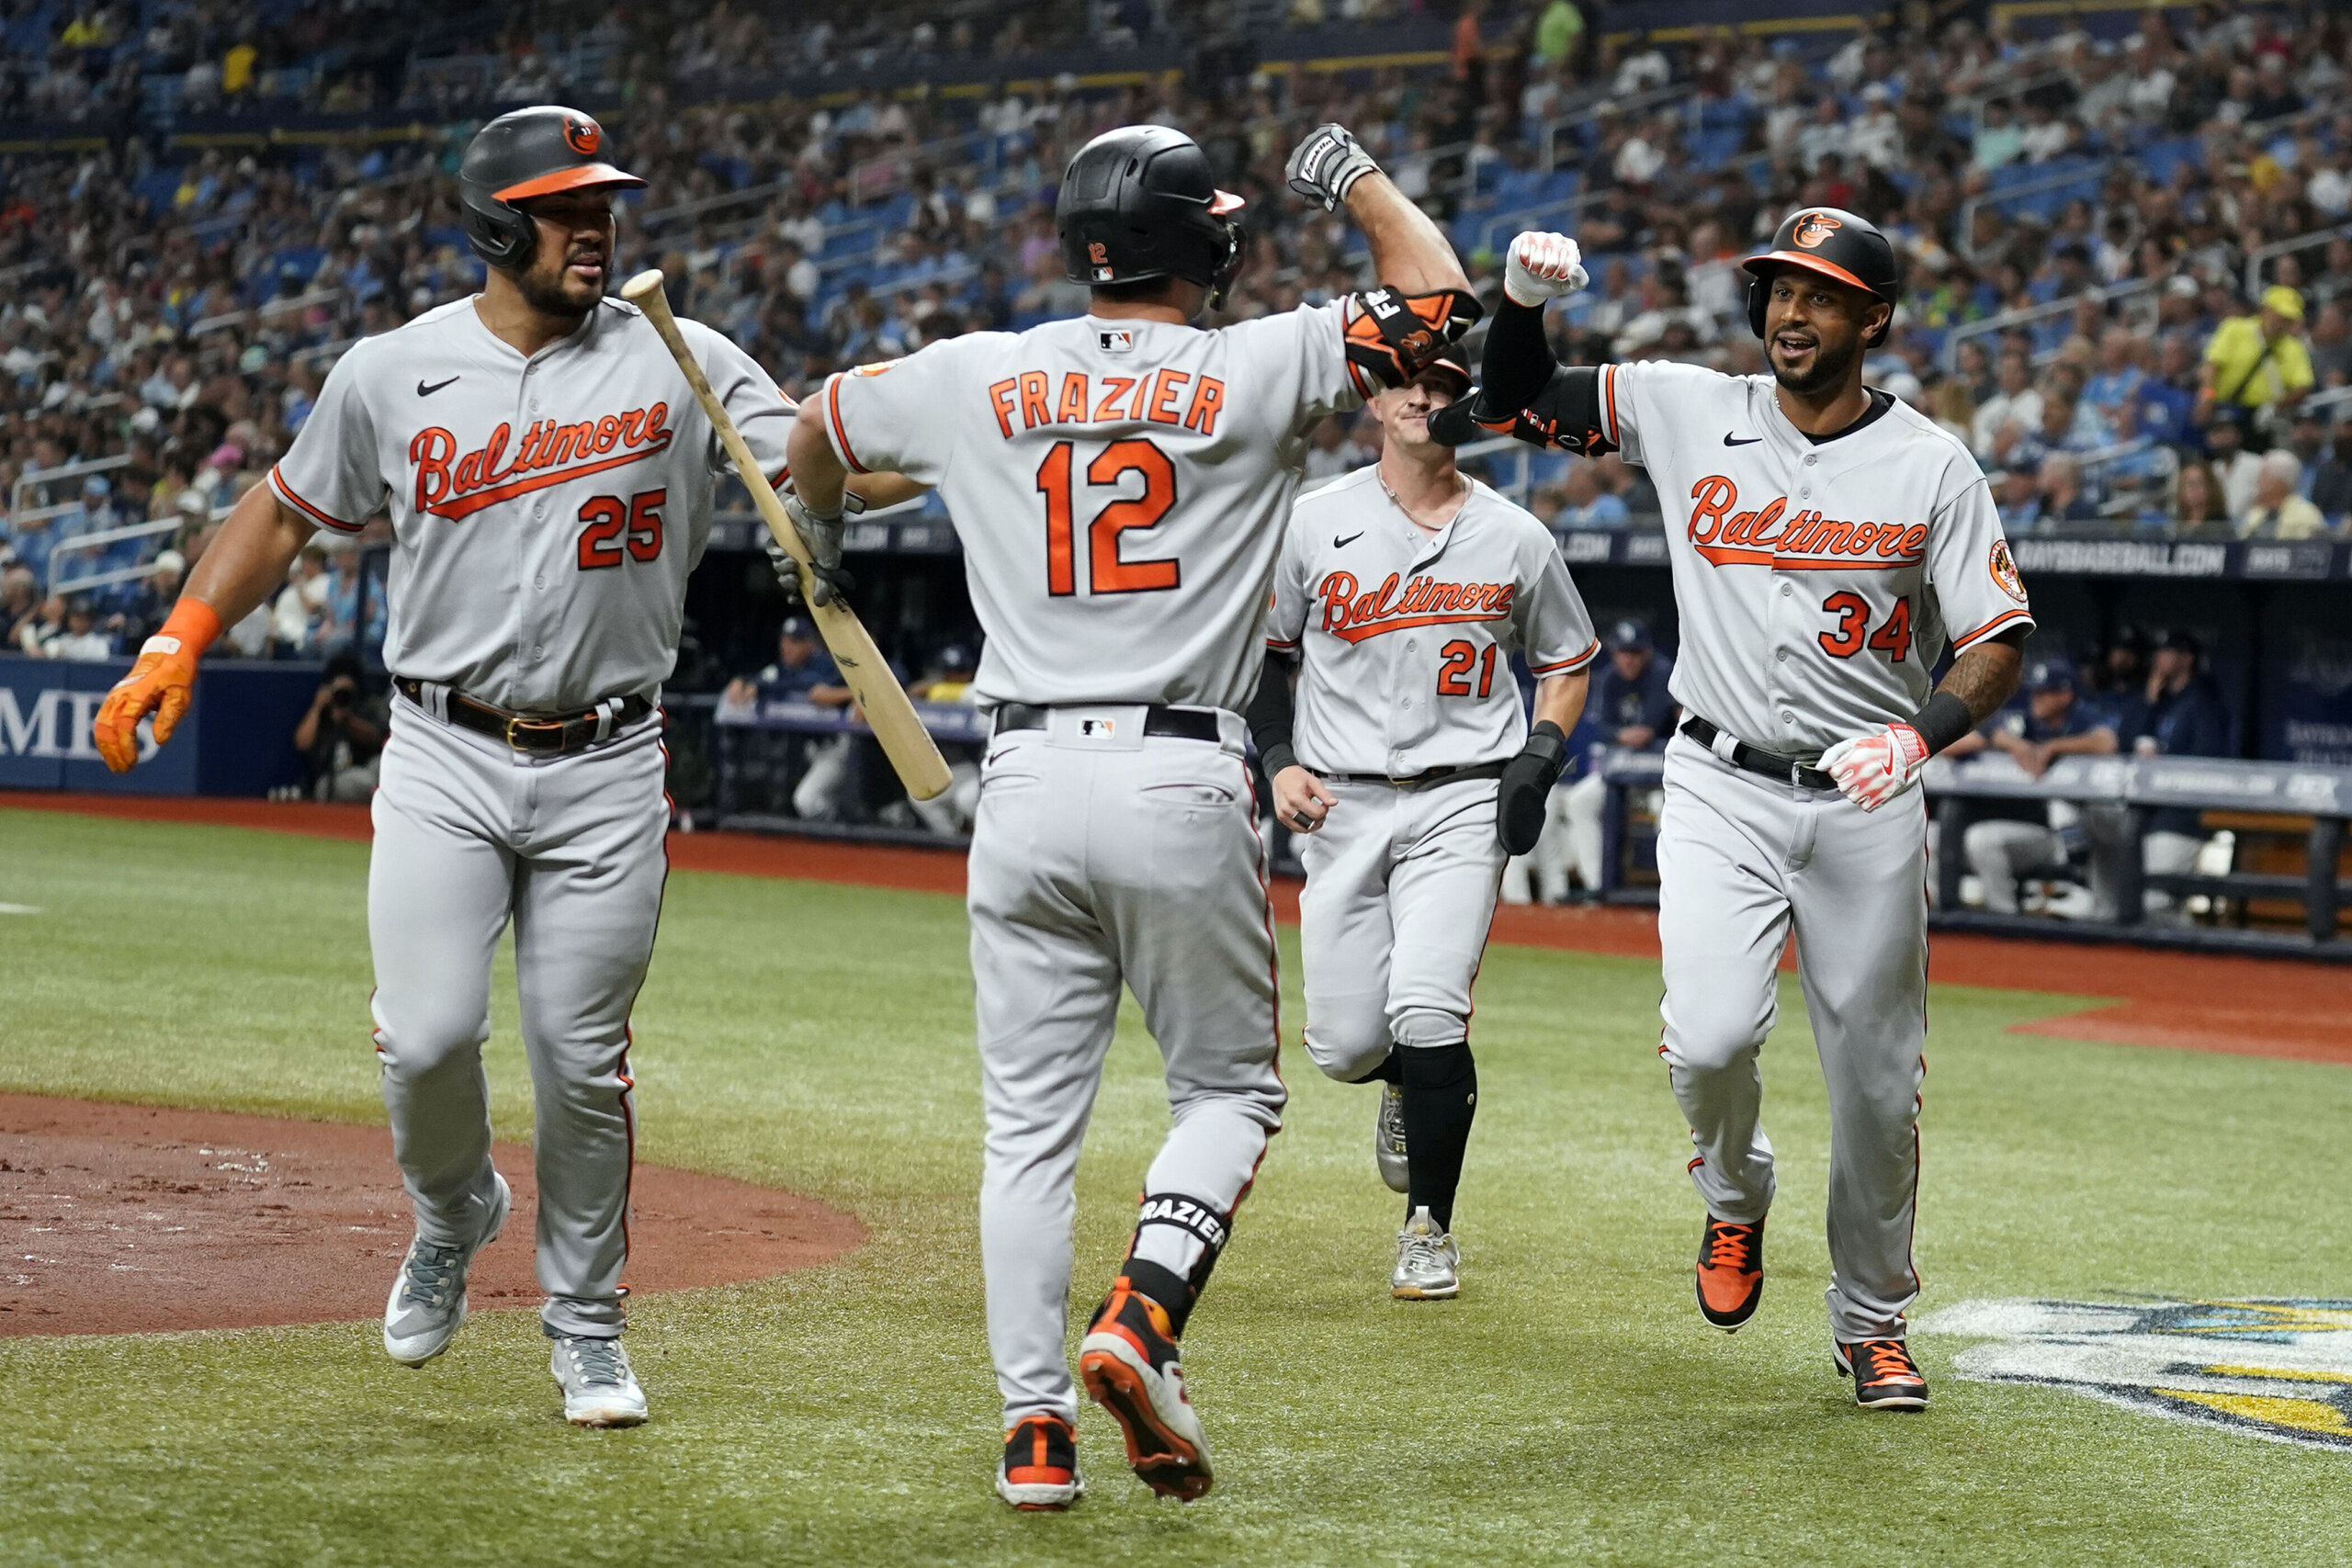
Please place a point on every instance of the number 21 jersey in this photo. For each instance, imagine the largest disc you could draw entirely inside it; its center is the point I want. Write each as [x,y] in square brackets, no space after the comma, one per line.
[1119,487]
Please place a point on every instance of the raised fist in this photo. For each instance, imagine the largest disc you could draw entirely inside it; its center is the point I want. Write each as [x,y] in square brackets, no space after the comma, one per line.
[1543,267]
[1324,166]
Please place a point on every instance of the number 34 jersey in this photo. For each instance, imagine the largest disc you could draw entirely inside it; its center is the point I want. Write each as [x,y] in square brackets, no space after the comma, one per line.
[1406,638]
[1817,583]
[545,511]
[1118,486]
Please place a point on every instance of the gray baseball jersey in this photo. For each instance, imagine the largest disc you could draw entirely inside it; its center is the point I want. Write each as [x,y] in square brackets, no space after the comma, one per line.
[544,512]
[1118,487]
[1817,583]
[1407,636]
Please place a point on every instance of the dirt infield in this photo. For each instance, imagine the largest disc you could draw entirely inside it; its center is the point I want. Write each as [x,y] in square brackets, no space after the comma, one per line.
[118,1219]
[2262,1006]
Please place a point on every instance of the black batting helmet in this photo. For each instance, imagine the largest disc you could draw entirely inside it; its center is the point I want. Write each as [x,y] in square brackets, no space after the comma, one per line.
[533,152]
[1138,203]
[1835,244]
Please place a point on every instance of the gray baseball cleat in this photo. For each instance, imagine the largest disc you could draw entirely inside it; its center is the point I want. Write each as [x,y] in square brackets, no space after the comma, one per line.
[598,1388]
[1428,1266]
[1388,1139]
[428,1300]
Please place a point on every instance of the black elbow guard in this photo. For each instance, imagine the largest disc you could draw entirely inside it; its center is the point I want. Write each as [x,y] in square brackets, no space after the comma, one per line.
[1392,337]
[1566,414]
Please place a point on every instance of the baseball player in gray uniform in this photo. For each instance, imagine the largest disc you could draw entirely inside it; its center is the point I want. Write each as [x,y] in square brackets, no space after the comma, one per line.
[1828,545]
[1404,756]
[549,476]
[1120,483]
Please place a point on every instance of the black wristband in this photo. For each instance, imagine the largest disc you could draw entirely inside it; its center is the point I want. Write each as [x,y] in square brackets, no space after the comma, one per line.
[1546,740]
[1944,720]
[1275,758]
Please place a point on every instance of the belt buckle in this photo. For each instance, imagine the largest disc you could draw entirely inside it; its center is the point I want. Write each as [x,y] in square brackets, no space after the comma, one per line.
[517,723]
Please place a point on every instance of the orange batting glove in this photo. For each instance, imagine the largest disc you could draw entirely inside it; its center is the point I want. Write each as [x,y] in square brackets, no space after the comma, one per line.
[162,683]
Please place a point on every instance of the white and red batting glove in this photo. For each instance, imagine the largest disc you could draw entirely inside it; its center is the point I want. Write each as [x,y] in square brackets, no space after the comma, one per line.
[1874,769]
[1541,268]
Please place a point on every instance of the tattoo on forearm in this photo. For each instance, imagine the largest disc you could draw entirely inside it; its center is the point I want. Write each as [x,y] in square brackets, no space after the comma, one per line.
[1983,678]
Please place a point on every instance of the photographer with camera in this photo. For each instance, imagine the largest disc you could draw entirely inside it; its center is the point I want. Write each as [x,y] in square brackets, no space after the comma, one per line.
[342,735]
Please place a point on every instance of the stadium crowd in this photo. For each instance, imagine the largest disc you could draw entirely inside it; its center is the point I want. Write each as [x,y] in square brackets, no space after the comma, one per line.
[2097,299]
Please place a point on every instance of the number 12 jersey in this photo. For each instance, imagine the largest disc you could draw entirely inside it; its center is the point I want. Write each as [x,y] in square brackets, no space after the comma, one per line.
[1119,487]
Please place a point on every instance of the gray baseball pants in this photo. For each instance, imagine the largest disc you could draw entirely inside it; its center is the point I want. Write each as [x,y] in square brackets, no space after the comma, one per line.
[1102,857]
[472,834]
[1741,859]
[1401,891]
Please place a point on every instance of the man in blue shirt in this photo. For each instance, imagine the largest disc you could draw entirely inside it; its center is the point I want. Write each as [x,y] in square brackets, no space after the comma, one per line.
[2179,713]
[2112,390]
[2046,721]
[1631,710]
[765,768]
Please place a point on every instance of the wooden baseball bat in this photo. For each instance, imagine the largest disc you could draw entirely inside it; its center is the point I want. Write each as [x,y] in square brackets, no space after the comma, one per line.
[888,712]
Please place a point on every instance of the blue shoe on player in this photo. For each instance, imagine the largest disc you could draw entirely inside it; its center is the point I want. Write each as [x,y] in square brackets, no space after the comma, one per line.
[429,1300]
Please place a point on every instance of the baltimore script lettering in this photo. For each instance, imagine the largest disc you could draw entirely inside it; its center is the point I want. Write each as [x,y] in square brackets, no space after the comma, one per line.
[1352,617]
[552,453]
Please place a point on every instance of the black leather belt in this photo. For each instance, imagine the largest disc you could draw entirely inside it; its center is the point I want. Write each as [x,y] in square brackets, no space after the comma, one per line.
[551,734]
[1428,780]
[1182,724]
[1764,765]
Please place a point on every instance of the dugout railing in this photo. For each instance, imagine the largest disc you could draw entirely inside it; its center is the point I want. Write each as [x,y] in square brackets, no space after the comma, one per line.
[2308,801]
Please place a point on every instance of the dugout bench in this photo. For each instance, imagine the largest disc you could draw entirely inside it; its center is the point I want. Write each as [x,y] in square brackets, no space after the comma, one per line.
[2311,801]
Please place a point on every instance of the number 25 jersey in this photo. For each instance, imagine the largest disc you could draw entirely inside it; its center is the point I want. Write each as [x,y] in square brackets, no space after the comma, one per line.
[1816,583]
[545,511]
[1119,487]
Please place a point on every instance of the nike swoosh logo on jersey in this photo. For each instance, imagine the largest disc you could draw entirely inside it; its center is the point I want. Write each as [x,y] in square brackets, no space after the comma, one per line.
[1748,441]
[425,391]
[1343,544]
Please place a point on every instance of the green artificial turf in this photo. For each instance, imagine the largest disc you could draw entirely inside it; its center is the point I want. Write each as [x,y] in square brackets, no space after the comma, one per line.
[1568,1408]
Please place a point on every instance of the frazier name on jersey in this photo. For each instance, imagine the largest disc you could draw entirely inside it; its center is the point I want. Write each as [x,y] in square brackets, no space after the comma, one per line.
[1152,398]
[1805,541]
[552,453]
[1352,617]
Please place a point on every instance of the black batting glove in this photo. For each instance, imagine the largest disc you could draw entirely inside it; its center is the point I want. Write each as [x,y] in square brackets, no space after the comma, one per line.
[1526,787]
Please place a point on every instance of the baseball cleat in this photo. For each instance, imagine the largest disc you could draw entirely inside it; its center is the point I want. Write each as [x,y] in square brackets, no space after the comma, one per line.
[1428,1266]
[1039,1470]
[598,1388]
[1129,1363]
[428,1300]
[1388,1139]
[1886,1377]
[1731,1272]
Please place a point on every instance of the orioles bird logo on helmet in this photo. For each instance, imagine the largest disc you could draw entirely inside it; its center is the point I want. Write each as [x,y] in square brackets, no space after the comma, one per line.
[1816,228]
[583,135]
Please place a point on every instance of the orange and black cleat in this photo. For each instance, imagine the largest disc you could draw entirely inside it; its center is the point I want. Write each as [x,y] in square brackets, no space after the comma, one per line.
[1886,1377]
[1731,1272]
[1131,1368]
[1039,1472]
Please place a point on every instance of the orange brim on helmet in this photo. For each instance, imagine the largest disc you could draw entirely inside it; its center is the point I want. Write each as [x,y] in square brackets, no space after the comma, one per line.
[1760,265]
[572,178]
